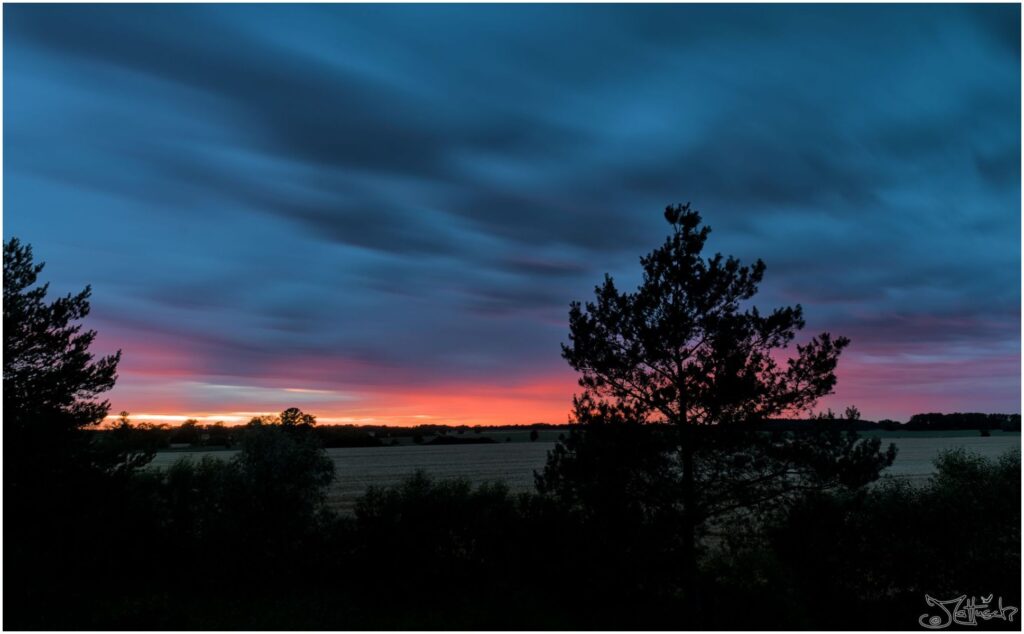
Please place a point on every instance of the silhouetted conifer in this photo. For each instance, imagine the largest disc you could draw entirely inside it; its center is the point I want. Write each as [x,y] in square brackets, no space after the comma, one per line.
[672,375]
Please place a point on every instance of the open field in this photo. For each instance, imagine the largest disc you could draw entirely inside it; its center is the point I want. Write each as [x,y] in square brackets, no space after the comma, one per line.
[917,450]
[514,462]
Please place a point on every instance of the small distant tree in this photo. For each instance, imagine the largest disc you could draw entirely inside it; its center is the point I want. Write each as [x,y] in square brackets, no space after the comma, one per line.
[187,432]
[295,417]
[852,413]
[826,415]
[534,435]
[672,375]
[1012,423]
[219,434]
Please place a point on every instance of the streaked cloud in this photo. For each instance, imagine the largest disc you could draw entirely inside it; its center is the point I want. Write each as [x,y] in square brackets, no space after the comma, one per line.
[396,203]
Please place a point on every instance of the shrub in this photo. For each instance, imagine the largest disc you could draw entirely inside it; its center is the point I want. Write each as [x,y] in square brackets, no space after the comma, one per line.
[866,559]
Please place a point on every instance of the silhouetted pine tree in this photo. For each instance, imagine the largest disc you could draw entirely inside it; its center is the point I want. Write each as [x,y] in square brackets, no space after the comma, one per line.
[671,374]
[52,381]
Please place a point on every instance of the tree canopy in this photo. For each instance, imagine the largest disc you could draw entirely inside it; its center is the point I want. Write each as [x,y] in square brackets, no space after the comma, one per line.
[293,417]
[673,375]
[52,381]
[683,348]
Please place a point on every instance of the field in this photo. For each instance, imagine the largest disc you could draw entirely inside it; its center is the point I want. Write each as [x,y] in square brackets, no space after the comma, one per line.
[514,462]
[917,450]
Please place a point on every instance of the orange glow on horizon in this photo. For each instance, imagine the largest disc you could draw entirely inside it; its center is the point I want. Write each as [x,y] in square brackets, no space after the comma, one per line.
[541,400]
[548,399]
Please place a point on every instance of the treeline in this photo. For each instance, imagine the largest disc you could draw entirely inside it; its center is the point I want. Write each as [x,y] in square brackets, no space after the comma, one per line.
[1005,422]
[192,434]
[918,422]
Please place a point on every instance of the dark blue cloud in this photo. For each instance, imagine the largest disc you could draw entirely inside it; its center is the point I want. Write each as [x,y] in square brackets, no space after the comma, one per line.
[420,190]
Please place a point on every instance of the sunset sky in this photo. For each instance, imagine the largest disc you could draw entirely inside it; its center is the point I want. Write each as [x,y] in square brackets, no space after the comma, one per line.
[380,214]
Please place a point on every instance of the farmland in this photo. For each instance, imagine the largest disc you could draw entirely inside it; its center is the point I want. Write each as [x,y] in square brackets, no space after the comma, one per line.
[514,462]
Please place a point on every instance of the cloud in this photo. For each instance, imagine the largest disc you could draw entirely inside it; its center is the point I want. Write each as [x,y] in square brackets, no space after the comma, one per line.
[365,196]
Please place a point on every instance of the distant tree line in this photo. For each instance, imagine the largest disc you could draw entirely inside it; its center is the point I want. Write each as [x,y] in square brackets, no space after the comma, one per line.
[192,433]
[917,422]
[1005,422]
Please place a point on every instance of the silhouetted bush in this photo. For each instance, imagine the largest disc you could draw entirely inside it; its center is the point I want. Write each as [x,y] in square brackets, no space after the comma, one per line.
[866,559]
[433,528]
[262,504]
[477,550]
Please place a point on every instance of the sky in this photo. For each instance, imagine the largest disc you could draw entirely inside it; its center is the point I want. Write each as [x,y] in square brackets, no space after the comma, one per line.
[380,213]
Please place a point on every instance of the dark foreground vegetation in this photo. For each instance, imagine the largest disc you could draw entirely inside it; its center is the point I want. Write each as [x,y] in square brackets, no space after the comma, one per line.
[249,544]
[671,503]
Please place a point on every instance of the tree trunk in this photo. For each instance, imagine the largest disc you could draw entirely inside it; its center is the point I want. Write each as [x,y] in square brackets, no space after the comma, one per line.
[689,525]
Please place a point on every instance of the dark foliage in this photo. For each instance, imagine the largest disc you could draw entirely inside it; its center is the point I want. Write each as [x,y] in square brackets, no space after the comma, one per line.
[684,353]
[52,381]
[431,554]
[64,494]
[127,447]
[267,503]
[866,559]
[683,349]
